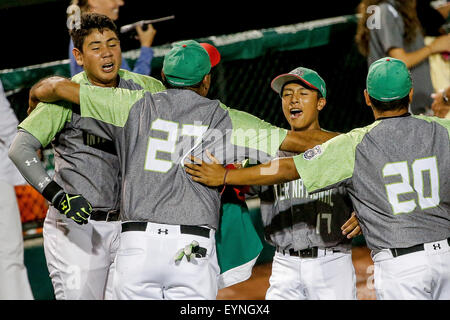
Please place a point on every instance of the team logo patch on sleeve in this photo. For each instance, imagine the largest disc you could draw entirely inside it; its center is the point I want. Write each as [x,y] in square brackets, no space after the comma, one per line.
[312,153]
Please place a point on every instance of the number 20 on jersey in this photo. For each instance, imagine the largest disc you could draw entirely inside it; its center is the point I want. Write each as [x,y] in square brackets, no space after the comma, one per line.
[415,183]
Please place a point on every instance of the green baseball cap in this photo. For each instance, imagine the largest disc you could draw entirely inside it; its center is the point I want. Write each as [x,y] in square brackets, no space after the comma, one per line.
[186,63]
[388,79]
[309,77]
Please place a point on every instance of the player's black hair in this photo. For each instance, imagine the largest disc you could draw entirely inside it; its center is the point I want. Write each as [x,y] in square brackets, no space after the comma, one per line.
[319,94]
[390,105]
[89,22]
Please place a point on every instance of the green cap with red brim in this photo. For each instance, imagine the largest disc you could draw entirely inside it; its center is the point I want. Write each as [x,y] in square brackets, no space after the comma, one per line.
[186,63]
[307,76]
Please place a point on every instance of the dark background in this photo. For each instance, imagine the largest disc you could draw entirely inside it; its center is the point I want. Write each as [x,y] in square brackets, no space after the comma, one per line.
[34,31]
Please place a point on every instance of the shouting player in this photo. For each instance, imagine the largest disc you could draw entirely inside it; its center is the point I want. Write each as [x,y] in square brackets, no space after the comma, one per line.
[80,258]
[313,259]
[396,171]
[162,209]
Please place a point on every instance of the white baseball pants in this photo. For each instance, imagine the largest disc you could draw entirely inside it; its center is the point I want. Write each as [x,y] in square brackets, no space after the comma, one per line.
[421,275]
[14,284]
[146,268]
[80,258]
[330,276]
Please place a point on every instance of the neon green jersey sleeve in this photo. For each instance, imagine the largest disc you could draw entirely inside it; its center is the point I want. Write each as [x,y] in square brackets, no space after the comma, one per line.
[332,163]
[109,105]
[47,120]
[252,132]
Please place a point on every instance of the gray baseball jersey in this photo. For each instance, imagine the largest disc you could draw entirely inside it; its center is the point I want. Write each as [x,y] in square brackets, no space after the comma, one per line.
[154,133]
[84,163]
[295,219]
[390,34]
[396,171]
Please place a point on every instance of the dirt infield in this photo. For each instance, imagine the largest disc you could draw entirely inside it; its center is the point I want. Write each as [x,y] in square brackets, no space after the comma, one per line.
[255,288]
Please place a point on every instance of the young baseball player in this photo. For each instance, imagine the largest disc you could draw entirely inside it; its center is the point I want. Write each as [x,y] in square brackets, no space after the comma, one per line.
[162,209]
[396,171]
[313,258]
[80,257]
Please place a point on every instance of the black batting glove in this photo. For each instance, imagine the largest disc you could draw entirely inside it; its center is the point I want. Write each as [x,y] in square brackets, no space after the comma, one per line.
[73,206]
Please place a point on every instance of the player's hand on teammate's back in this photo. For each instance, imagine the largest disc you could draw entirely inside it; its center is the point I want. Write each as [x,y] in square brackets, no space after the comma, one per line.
[73,206]
[351,227]
[210,174]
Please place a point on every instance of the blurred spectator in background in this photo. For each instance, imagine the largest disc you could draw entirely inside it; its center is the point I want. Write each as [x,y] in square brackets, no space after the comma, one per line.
[433,17]
[441,104]
[392,28]
[110,8]
[14,284]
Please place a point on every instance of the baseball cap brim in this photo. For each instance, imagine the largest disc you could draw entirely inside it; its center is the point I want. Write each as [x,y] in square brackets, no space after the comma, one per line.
[214,54]
[278,83]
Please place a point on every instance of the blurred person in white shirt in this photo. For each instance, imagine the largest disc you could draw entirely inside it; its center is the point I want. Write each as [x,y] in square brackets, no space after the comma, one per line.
[14,284]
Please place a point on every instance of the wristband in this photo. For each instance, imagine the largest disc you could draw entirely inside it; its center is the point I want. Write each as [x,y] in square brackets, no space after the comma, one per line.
[51,191]
[224,181]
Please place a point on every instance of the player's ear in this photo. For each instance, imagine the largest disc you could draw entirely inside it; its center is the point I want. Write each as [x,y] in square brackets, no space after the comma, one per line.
[366,97]
[411,93]
[78,56]
[206,84]
[321,103]
[207,80]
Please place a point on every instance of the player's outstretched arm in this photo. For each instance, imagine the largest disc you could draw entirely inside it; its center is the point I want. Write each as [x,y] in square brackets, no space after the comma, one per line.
[214,174]
[300,141]
[53,89]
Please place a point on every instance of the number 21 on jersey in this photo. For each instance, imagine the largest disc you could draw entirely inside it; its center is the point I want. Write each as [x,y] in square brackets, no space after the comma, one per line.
[417,185]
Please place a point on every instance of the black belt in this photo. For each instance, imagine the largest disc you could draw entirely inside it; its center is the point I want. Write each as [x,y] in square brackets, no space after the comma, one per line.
[305,253]
[105,216]
[401,251]
[142,226]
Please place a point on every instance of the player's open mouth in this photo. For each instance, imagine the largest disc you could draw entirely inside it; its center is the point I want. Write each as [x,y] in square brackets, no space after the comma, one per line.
[108,67]
[295,113]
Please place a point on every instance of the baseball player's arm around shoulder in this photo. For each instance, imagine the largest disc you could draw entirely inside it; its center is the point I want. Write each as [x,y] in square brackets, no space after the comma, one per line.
[214,174]
[53,89]
[270,173]
[300,141]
